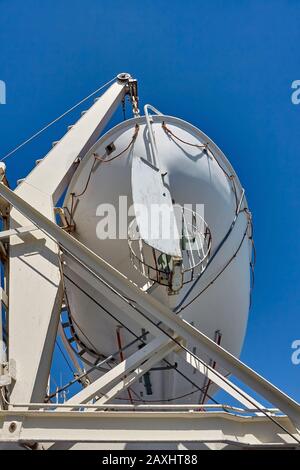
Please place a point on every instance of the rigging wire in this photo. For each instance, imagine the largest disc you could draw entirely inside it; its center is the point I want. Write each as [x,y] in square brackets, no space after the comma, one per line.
[218,275]
[137,338]
[231,177]
[167,400]
[204,147]
[112,356]
[55,120]
[102,159]
[133,305]
[94,351]
[64,356]
[179,307]
[132,141]
[184,348]
[130,302]
[134,334]
[119,341]
[87,372]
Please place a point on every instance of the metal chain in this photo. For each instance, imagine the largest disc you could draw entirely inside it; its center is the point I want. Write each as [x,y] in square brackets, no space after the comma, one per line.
[134,101]
[135,108]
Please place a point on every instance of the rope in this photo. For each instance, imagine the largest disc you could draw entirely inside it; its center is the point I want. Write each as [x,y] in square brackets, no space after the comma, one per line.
[186,295]
[219,274]
[102,160]
[166,400]
[184,348]
[169,132]
[64,356]
[205,147]
[133,139]
[71,318]
[207,366]
[55,120]
[139,338]
[178,343]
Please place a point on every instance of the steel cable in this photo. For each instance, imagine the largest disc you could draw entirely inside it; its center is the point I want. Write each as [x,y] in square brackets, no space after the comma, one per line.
[55,120]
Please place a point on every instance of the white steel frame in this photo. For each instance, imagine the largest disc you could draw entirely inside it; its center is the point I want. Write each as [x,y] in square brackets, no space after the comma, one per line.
[35,301]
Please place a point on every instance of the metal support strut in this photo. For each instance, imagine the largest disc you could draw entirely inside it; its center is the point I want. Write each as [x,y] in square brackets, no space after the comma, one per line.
[35,244]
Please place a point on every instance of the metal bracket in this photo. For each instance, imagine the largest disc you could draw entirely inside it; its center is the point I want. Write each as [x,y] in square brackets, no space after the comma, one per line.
[9,374]
[6,234]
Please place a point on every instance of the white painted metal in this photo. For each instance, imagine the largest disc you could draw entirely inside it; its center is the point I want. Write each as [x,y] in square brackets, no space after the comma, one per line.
[70,350]
[35,293]
[98,387]
[170,427]
[5,234]
[137,373]
[193,177]
[153,406]
[103,272]
[148,191]
[158,310]
[91,286]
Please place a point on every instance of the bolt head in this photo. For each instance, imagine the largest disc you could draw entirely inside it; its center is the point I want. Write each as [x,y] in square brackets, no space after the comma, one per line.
[123,77]
[12,427]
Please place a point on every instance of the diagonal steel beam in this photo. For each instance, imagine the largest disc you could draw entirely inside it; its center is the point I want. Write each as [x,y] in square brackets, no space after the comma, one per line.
[223,382]
[129,380]
[92,287]
[146,303]
[34,275]
[157,345]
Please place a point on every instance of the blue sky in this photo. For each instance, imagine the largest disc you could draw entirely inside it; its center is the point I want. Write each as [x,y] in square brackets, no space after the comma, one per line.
[225,66]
